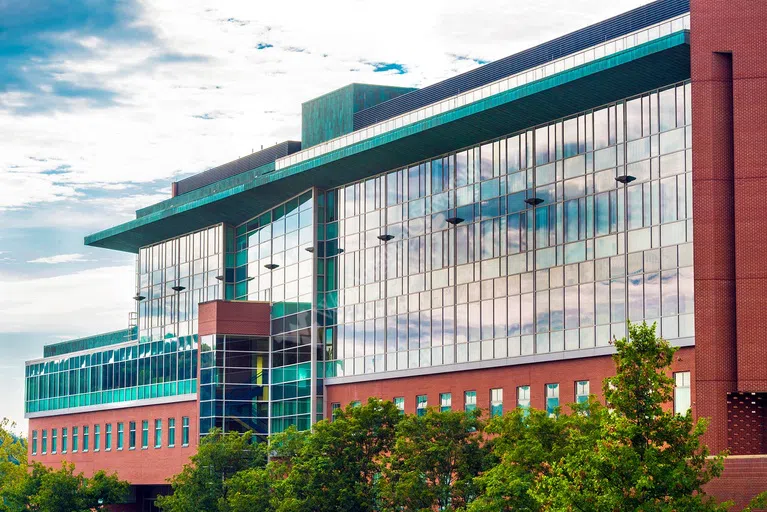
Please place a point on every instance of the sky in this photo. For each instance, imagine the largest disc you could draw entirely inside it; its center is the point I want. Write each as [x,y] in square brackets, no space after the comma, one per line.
[104,103]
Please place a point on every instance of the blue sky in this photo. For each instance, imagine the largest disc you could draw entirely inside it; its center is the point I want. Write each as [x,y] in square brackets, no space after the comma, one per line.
[104,103]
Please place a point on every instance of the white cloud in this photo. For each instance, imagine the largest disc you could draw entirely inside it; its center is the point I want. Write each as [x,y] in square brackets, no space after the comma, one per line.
[60,258]
[177,115]
[87,302]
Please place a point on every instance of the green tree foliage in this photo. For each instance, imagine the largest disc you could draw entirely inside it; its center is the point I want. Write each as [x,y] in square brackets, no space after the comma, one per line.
[338,466]
[13,465]
[64,491]
[645,457]
[526,444]
[434,461]
[201,485]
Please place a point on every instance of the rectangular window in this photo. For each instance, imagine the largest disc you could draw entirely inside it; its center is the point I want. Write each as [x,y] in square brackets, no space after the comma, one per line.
[682,394]
[422,403]
[171,432]
[185,431]
[96,438]
[157,433]
[132,435]
[445,402]
[552,398]
[582,391]
[108,437]
[34,442]
[399,401]
[74,440]
[523,397]
[120,433]
[54,439]
[496,402]
[356,403]
[469,400]
[145,434]
[45,442]
[334,408]
[64,440]
[85,438]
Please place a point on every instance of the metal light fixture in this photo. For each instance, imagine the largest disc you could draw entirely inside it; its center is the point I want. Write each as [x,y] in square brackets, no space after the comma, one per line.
[454,220]
[249,279]
[138,297]
[271,266]
[625,179]
[339,250]
[178,288]
[533,201]
[220,278]
[309,249]
[385,238]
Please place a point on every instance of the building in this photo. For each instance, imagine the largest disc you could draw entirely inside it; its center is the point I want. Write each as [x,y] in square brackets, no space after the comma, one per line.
[475,243]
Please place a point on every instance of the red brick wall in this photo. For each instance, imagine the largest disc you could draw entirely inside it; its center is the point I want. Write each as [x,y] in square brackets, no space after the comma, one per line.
[729,176]
[537,375]
[234,317]
[744,477]
[139,466]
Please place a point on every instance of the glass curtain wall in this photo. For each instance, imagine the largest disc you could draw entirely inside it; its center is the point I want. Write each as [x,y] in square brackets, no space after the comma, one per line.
[155,369]
[272,258]
[234,384]
[524,245]
[173,278]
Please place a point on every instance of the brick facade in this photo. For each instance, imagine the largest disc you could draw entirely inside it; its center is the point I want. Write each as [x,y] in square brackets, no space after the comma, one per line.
[536,375]
[729,102]
[150,466]
[234,317]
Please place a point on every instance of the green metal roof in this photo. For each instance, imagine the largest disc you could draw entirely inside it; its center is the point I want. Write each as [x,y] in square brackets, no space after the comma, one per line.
[647,66]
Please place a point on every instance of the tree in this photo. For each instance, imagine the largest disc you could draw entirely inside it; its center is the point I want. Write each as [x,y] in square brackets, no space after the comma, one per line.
[201,485]
[13,465]
[526,444]
[338,466]
[434,461]
[645,458]
[263,489]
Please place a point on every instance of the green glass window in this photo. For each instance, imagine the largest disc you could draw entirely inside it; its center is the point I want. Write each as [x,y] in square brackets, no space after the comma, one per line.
[64,440]
[96,438]
[157,433]
[74,440]
[171,432]
[34,442]
[108,436]
[496,402]
[445,402]
[356,403]
[399,401]
[334,408]
[582,391]
[422,404]
[45,442]
[54,439]
[469,400]
[145,434]
[85,438]
[185,431]
[523,397]
[132,435]
[120,433]
[552,398]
